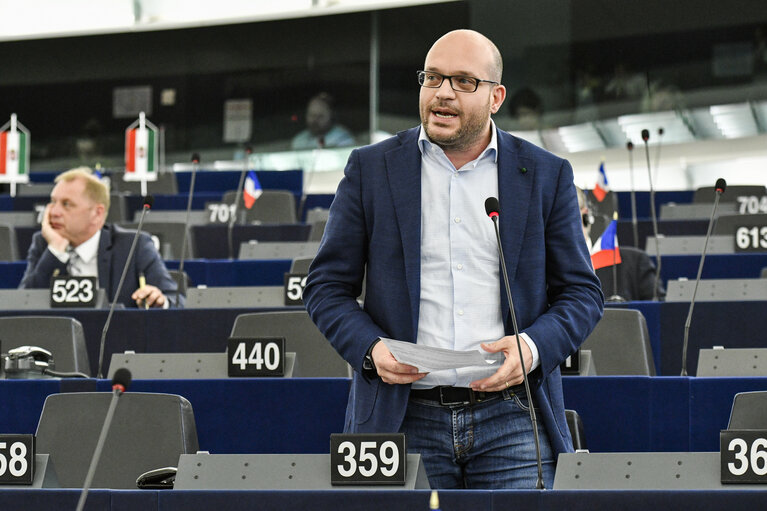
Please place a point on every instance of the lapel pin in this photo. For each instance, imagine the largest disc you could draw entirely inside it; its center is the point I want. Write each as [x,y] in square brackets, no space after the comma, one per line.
[523,170]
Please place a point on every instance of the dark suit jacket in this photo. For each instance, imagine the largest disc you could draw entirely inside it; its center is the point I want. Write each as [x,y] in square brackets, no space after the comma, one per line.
[113,252]
[375,223]
[636,276]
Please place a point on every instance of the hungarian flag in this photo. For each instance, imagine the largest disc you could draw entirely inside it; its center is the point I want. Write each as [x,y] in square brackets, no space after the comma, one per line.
[605,251]
[252,189]
[601,187]
[140,154]
[13,156]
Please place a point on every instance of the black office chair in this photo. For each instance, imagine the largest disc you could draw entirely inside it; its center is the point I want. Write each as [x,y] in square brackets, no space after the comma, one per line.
[575,425]
[749,411]
[620,344]
[149,431]
[314,354]
[273,206]
[171,236]
[63,337]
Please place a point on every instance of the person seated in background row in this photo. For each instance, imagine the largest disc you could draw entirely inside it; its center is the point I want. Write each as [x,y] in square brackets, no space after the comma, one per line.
[635,272]
[74,241]
[526,109]
[321,127]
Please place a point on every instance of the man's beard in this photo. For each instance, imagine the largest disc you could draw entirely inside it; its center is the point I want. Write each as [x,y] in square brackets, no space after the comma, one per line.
[471,129]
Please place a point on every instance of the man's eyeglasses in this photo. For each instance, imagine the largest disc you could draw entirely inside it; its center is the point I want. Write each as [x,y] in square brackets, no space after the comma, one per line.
[458,83]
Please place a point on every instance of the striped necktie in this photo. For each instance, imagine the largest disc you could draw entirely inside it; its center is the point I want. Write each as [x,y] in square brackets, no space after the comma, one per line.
[72,265]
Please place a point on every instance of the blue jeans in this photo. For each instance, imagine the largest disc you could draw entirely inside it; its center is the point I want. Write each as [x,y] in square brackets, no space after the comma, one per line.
[486,445]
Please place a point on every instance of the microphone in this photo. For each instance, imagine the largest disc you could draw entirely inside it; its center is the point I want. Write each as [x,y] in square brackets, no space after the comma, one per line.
[195,165]
[148,201]
[120,383]
[238,200]
[720,186]
[630,148]
[492,208]
[645,138]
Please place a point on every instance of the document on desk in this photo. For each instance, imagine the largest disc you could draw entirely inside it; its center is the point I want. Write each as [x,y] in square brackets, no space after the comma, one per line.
[428,359]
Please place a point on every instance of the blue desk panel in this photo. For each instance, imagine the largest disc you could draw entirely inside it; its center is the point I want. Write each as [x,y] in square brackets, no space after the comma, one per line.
[297,415]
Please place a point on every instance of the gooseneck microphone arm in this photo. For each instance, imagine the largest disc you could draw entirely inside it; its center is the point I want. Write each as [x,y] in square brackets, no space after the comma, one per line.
[148,201]
[646,137]
[493,210]
[120,383]
[720,186]
[195,164]
[634,226]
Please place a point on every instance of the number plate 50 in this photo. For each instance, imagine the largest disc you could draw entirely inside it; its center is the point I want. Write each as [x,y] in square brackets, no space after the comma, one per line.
[367,459]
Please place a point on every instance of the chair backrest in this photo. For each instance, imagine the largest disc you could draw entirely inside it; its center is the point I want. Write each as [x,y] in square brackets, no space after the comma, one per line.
[8,243]
[166,184]
[301,265]
[149,431]
[575,425]
[118,208]
[315,214]
[181,279]
[749,411]
[278,250]
[171,236]
[273,206]
[314,353]
[620,344]
[318,229]
[234,297]
[63,337]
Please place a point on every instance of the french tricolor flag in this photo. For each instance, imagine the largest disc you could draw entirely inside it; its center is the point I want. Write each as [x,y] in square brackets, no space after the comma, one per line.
[601,187]
[252,189]
[605,251]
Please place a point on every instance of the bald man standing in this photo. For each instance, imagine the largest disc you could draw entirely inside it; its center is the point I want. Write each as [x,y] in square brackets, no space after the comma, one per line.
[409,218]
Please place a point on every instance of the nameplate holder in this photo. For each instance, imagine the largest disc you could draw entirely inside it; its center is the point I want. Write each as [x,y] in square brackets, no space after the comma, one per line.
[294,288]
[220,212]
[743,455]
[255,356]
[68,292]
[17,459]
[364,459]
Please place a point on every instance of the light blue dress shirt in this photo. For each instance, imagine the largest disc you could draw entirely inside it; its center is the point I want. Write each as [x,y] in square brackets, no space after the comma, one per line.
[460,295]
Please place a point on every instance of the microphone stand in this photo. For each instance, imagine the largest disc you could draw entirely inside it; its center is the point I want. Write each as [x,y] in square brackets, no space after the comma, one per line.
[720,186]
[539,482]
[147,204]
[237,200]
[630,147]
[646,137]
[195,164]
[120,382]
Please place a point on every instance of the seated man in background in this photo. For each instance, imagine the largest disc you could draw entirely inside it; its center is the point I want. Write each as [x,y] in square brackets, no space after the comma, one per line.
[635,271]
[73,240]
[322,130]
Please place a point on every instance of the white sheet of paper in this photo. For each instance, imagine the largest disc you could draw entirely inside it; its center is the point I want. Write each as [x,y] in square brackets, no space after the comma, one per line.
[428,359]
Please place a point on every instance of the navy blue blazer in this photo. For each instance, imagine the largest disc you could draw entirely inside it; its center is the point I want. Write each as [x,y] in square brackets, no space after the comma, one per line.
[114,246]
[375,224]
